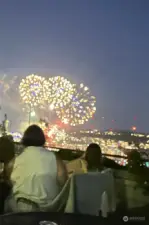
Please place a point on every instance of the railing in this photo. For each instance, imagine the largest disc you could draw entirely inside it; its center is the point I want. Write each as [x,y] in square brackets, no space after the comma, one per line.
[76,153]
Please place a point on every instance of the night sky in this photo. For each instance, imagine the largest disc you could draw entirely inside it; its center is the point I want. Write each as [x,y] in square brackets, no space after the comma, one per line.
[102,43]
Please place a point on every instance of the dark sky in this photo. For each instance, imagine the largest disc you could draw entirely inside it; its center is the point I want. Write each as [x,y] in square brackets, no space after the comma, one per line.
[102,43]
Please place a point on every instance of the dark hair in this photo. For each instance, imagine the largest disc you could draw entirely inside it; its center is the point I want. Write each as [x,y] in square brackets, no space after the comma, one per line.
[93,156]
[7,149]
[33,136]
[10,137]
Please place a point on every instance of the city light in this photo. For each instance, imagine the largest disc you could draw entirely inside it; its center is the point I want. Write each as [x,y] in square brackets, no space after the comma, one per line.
[134,128]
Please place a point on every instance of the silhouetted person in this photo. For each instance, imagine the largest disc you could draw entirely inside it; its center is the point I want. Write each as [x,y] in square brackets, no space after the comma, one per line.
[91,161]
[38,175]
[93,157]
[7,154]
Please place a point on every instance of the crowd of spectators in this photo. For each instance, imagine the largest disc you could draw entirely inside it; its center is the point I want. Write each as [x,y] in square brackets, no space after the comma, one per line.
[36,179]
[37,176]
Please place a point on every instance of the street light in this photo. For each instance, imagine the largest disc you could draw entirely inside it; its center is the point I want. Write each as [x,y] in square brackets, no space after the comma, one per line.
[33,114]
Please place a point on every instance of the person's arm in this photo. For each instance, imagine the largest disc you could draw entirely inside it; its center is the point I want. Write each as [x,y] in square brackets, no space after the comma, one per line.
[62,174]
[9,168]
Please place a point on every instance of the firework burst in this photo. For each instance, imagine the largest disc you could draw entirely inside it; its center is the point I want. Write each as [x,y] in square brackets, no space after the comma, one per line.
[80,109]
[33,90]
[60,92]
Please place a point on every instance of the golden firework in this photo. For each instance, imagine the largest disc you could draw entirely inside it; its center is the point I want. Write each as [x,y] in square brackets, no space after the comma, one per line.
[33,90]
[80,109]
[60,92]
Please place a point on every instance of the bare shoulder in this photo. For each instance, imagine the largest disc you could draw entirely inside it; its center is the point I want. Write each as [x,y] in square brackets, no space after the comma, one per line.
[60,164]
[62,174]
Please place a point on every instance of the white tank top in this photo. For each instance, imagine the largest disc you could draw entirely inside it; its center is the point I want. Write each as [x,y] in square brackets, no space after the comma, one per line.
[35,176]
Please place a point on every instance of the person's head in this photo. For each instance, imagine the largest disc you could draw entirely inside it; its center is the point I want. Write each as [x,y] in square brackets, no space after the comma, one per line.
[7,150]
[7,156]
[10,137]
[93,156]
[33,136]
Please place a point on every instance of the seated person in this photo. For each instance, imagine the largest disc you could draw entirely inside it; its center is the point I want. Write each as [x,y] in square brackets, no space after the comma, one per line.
[7,154]
[91,161]
[38,175]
